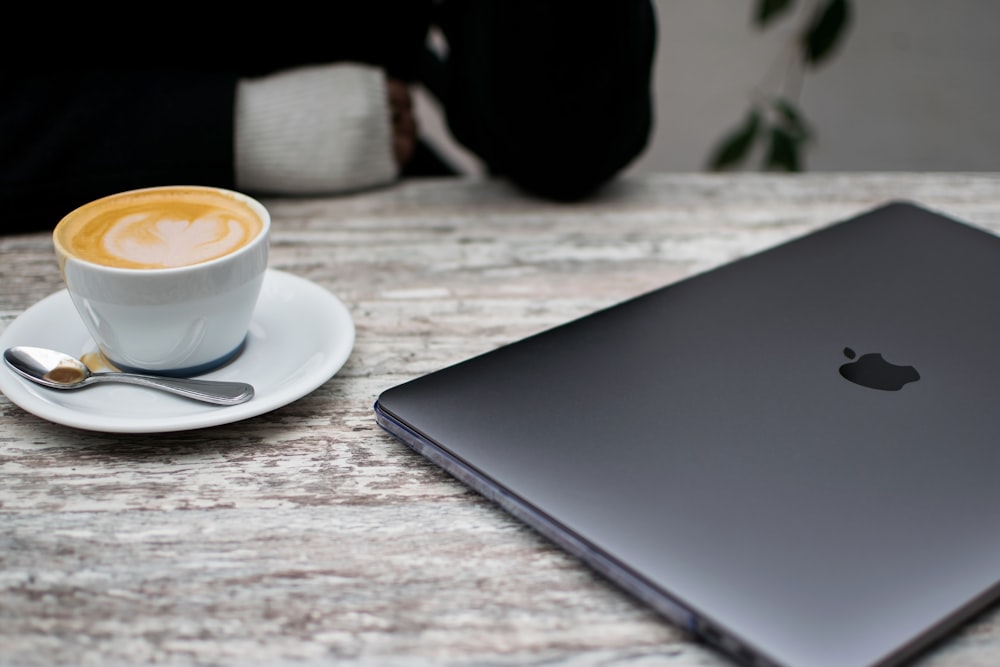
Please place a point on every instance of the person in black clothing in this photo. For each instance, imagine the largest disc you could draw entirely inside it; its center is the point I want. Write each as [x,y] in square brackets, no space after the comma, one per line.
[555,96]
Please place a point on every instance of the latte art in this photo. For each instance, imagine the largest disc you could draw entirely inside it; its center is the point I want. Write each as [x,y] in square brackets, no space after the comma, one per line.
[159,229]
[160,239]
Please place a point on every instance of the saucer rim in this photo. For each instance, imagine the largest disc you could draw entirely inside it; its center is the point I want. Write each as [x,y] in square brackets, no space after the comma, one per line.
[329,320]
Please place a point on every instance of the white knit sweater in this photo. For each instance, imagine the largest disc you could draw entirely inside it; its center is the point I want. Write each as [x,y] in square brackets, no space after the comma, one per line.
[313,131]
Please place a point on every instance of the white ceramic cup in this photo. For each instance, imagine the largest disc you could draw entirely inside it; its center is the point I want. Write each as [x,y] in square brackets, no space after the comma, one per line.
[166,279]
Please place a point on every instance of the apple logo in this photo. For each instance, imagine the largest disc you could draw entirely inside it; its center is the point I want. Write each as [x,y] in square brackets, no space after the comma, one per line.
[874,372]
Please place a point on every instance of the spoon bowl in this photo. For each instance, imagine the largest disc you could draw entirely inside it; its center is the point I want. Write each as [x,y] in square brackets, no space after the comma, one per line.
[57,370]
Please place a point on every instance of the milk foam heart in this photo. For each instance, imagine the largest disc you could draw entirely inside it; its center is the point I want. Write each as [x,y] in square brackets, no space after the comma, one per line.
[155,238]
[159,228]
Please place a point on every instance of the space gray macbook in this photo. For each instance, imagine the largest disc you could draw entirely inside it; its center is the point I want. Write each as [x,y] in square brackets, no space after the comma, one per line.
[795,456]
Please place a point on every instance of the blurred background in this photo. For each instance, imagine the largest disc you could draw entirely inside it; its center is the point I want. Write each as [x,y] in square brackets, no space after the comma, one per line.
[911,85]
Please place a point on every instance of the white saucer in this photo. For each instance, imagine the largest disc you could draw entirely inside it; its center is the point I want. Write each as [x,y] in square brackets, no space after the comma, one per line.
[300,336]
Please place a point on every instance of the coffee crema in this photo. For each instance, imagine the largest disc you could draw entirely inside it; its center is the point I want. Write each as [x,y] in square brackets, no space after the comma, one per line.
[158,228]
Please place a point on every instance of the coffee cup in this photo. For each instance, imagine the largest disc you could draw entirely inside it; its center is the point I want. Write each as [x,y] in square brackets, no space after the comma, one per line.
[166,278]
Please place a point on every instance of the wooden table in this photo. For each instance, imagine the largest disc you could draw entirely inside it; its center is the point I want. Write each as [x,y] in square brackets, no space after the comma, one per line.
[307,535]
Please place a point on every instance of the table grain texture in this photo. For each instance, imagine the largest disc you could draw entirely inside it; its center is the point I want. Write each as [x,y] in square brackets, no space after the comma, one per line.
[308,536]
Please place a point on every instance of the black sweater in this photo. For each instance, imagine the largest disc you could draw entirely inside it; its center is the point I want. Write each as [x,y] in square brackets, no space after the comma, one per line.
[554,95]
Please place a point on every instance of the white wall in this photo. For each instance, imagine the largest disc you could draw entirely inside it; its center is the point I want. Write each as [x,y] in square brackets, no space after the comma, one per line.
[913,87]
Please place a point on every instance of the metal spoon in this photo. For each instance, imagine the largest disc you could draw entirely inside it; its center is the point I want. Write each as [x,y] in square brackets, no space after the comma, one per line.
[57,370]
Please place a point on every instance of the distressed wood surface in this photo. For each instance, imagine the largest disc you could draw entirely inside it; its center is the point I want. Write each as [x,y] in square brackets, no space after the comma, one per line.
[308,536]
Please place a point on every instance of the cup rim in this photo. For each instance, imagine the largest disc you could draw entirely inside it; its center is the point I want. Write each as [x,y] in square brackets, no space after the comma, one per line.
[255,205]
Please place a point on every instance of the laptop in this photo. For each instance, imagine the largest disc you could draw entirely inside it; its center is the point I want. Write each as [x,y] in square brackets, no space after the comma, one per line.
[794,456]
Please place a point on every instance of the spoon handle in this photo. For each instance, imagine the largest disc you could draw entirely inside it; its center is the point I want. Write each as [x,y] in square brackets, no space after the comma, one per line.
[210,391]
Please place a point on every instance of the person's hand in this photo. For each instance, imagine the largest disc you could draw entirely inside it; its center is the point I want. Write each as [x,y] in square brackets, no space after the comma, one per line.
[404,123]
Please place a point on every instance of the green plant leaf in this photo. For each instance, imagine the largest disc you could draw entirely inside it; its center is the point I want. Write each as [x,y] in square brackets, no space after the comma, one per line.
[783,152]
[768,10]
[791,119]
[735,146]
[825,31]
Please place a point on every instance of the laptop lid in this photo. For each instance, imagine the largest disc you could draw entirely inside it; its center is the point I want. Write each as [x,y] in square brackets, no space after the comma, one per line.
[795,456]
